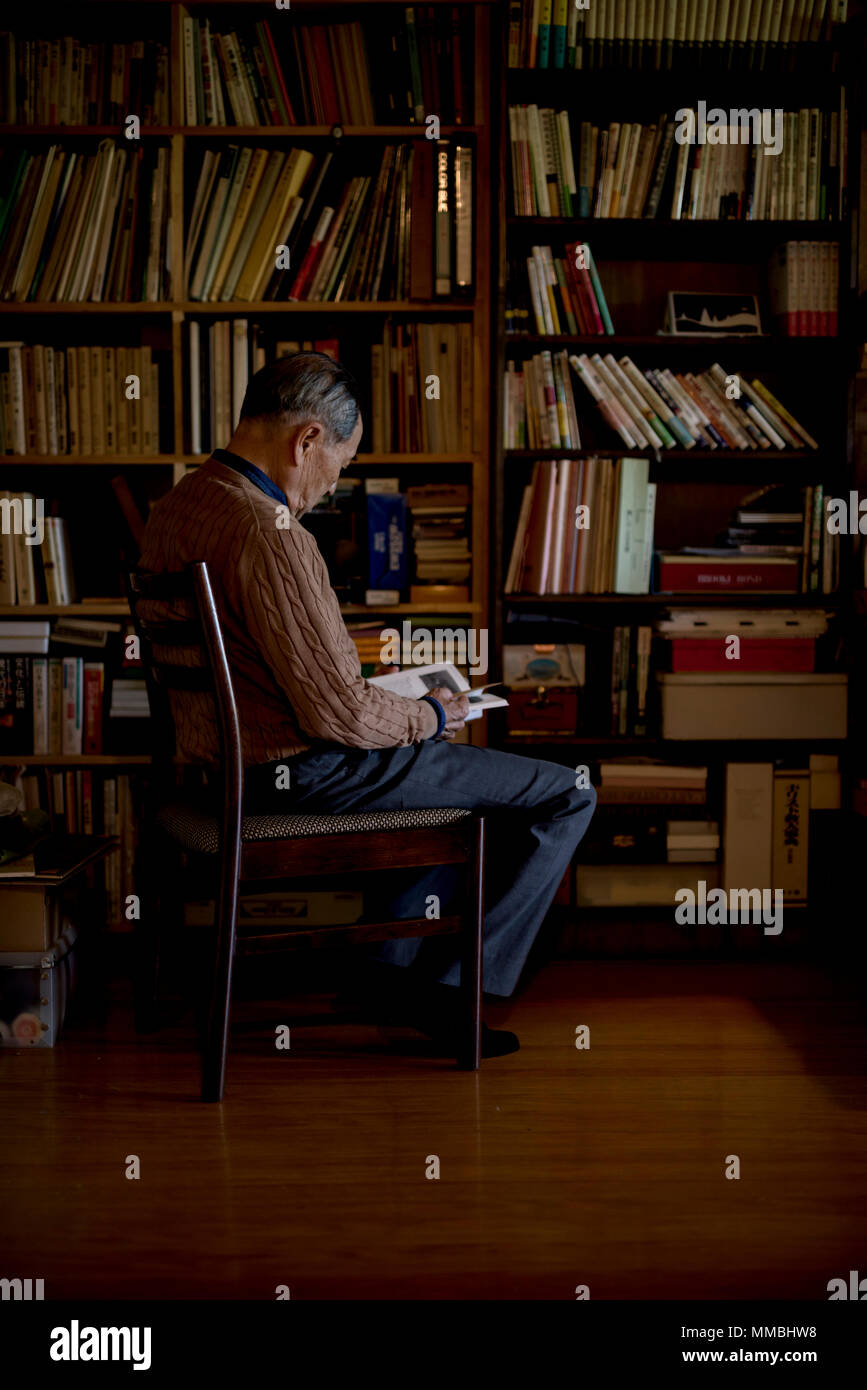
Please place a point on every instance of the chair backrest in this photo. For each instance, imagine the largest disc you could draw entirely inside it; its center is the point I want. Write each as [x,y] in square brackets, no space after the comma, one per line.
[188,653]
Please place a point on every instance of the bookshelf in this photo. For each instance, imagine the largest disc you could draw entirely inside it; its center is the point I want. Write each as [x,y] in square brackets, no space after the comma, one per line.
[161,324]
[639,259]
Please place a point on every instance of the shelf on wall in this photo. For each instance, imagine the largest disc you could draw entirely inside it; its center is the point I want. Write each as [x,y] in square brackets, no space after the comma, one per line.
[237,306]
[713,343]
[765,599]
[102,609]
[75,760]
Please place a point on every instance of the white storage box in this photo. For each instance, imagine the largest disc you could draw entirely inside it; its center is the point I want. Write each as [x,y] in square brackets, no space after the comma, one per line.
[35,987]
[776,705]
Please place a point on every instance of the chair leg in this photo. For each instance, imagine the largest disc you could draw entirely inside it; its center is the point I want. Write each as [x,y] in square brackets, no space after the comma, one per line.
[150,882]
[472,948]
[217,1035]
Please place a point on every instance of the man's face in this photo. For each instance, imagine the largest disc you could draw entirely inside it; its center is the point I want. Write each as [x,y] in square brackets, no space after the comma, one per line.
[321,463]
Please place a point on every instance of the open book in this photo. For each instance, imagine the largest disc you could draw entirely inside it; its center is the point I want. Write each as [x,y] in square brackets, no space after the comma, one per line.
[417,681]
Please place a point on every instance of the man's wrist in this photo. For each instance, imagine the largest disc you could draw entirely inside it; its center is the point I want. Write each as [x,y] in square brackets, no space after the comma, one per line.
[440,714]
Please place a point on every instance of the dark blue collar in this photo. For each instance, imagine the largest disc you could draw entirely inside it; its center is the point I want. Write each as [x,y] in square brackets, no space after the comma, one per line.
[255,475]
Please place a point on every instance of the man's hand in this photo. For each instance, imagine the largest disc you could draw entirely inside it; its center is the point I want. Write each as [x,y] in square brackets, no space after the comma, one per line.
[456,707]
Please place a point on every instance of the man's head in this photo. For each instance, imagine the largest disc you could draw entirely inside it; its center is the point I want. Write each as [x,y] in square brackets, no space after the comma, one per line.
[301,424]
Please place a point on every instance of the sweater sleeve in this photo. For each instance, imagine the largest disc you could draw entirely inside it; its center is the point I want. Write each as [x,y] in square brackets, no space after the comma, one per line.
[292,614]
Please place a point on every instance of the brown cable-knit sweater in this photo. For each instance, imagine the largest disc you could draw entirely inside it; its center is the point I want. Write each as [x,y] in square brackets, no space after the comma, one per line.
[294,666]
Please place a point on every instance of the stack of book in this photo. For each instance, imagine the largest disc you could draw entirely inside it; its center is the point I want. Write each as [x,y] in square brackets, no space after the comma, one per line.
[29,572]
[692,841]
[63,81]
[78,400]
[770,639]
[712,409]
[558,295]
[630,681]
[585,526]
[244,76]
[78,226]
[129,699]
[422,388]
[628,781]
[442,560]
[269,224]
[676,34]
[803,282]
[538,404]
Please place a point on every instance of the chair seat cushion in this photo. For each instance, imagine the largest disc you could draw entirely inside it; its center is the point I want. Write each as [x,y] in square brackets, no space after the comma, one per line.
[195,830]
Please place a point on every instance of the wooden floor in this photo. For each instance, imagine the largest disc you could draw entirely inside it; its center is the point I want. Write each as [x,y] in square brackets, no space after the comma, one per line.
[558,1167]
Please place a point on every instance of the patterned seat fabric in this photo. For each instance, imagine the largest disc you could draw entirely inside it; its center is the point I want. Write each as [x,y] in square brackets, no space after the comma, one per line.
[195,830]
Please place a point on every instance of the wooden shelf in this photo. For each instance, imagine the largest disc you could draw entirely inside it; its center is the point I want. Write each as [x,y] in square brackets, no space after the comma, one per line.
[238,306]
[674,455]
[110,608]
[764,599]
[98,460]
[246,132]
[74,760]
[165,460]
[360,610]
[716,345]
[779,227]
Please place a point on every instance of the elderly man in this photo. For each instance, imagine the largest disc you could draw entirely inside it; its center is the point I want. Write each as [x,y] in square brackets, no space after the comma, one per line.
[303,702]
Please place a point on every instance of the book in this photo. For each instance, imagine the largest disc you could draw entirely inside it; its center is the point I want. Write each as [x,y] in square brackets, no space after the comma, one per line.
[416,681]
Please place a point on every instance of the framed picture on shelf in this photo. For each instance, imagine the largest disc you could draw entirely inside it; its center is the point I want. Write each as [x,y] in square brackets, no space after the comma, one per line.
[712,315]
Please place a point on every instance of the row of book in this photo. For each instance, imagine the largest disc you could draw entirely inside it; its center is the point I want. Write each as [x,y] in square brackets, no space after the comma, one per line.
[564,294]
[713,409]
[30,571]
[538,404]
[78,400]
[313,74]
[221,358]
[395,225]
[77,226]
[702,165]
[67,81]
[658,34]
[803,283]
[584,526]
[84,801]
[55,705]
[422,388]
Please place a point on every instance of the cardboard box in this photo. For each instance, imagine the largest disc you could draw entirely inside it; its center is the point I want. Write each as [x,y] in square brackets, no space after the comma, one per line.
[751,706]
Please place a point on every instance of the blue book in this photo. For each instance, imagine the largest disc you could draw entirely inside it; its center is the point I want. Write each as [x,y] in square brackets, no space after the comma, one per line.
[386,540]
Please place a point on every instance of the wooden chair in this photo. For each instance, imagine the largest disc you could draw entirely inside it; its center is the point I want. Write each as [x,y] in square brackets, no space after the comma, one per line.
[182,648]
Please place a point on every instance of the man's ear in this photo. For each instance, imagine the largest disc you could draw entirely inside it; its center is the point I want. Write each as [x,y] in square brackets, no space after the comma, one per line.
[302,439]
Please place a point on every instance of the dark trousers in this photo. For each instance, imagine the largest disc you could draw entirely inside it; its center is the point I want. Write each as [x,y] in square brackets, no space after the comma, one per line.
[537,817]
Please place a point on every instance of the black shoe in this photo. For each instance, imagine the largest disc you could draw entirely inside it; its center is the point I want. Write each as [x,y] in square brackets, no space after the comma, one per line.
[447,1034]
